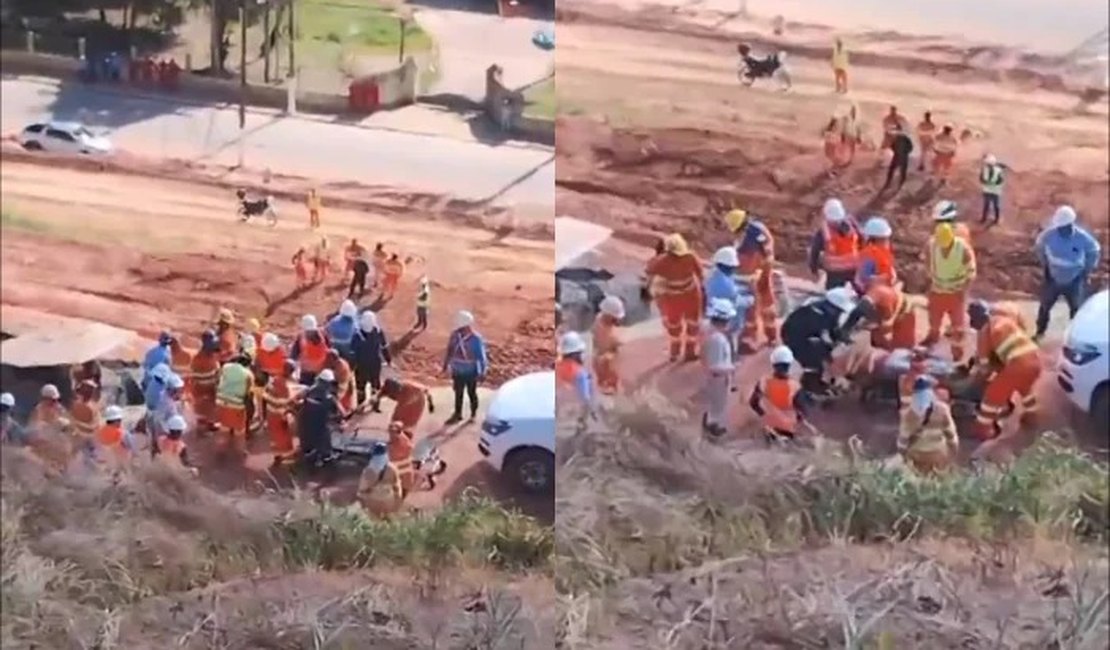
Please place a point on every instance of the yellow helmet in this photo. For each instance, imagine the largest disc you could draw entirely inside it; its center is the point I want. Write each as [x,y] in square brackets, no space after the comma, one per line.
[253,325]
[225,316]
[735,219]
[945,234]
[675,244]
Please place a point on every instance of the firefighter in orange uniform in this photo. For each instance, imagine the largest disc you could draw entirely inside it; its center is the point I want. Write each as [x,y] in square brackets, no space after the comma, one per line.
[679,294]
[756,249]
[890,313]
[926,135]
[310,350]
[205,372]
[410,397]
[227,335]
[835,247]
[944,152]
[1009,359]
[400,454]
[392,270]
[300,267]
[279,417]
[377,260]
[779,400]
[951,264]
[607,345]
[85,413]
[344,379]
[876,255]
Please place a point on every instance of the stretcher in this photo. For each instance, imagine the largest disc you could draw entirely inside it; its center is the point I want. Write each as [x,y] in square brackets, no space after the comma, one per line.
[877,386]
[354,447]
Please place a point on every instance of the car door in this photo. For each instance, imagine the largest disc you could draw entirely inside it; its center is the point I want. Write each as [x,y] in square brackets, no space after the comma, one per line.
[58,140]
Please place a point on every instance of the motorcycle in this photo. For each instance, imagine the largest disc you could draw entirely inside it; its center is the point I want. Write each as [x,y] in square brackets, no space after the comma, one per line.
[773,66]
[256,207]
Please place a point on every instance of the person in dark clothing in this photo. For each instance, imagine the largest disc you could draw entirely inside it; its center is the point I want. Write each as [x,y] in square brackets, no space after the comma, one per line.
[371,351]
[361,269]
[813,330]
[901,146]
[320,409]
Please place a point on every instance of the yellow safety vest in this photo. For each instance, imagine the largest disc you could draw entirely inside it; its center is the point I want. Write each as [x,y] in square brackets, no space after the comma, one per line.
[232,389]
[950,272]
[840,58]
[424,297]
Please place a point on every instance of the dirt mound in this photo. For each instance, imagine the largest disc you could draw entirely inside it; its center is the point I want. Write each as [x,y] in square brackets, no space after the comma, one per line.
[641,181]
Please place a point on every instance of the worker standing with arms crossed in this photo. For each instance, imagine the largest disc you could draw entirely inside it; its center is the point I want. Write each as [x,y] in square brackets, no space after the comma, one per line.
[676,276]
[952,269]
[717,355]
[1069,255]
[835,247]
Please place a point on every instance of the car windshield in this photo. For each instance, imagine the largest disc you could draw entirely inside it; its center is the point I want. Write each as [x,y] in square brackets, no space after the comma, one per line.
[82,131]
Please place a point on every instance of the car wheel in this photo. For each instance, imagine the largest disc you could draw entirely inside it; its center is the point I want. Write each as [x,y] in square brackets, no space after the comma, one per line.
[32,146]
[1100,409]
[533,470]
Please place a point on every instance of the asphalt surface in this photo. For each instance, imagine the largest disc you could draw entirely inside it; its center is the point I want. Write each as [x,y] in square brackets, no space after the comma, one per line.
[310,147]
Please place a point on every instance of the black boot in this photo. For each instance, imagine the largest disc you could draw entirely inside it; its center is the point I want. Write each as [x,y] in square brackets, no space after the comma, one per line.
[454,419]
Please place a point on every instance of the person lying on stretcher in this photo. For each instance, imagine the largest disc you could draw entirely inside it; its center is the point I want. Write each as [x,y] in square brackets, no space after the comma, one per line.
[880,373]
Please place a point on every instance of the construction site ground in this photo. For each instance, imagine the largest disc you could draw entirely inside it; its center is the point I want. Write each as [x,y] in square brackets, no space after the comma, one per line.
[145,246]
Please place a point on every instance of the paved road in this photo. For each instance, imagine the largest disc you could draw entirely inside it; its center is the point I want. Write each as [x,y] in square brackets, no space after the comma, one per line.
[299,146]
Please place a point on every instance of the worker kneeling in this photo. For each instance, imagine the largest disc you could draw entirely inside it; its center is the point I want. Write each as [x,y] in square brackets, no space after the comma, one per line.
[813,330]
[379,487]
[1009,360]
[779,399]
[889,313]
[927,437]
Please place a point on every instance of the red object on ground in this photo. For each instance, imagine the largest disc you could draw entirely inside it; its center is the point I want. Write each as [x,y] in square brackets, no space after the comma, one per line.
[371,97]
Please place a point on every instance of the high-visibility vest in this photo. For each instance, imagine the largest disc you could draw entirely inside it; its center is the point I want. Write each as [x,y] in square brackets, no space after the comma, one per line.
[424,297]
[313,355]
[234,382]
[991,178]
[272,363]
[841,251]
[950,271]
[778,403]
[567,369]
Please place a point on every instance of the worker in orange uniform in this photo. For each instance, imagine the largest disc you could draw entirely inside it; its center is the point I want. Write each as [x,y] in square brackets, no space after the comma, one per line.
[300,267]
[378,259]
[392,271]
[876,255]
[171,449]
[310,350]
[227,335]
[926,136]
[379,487]
[779,399]
[951,264]
[571,371]
[87,371]
[84,413]
[832,138]
[893,124]
[410,397]
[756,248]
[894,324]
[321,260]
[49,412]
[354,251]
[840,66]
[313,203]
[205,373]
[181,360]
[679,295]
[944,152]
[1010,361]
[344,379]
[834,248]
[271,356]
[400,454]
[114,444]
[234,388]
[279,418]
[607,344]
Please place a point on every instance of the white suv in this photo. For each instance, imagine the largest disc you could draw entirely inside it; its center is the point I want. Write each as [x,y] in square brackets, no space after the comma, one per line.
[518,434]
[1084,371]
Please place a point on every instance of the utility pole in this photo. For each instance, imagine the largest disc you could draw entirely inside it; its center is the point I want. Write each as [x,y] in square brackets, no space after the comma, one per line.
[242,64]
[292,38]
[265,41]
[401,50]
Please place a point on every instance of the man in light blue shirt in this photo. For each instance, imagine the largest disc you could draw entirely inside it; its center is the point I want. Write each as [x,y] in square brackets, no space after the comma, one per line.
[722,285]
[1069,254]
[466,361]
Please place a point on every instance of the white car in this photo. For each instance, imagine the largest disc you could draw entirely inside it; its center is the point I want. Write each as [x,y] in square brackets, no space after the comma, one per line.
[518,434]
[1084,371]
[63,137]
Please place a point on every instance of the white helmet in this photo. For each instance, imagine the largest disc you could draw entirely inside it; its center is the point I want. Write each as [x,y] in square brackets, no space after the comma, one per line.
[113,414]
[247,343]
[834,211]
[270,342]
[612,306]
[1064,216]
[463,319]
[727,256]
[945,210]
[877,227]
[8,400]
[50,391]
[348,308]
[160,371]
[721,309]
[326,375]
[571,343]
[308,322]
[368,321]
[424,280]
[989,159]
[175,381]
[782,355]
[176,423]
[843,298]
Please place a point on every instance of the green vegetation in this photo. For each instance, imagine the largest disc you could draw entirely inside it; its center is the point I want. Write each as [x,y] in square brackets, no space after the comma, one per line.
[344,30]
[541,100]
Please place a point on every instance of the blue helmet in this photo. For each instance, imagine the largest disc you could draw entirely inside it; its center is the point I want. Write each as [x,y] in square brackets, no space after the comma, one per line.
[923,382]
[208,340]
[165,338]
[379,449]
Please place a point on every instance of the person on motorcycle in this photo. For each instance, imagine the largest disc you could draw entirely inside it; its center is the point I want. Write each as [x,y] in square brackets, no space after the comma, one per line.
[319,410]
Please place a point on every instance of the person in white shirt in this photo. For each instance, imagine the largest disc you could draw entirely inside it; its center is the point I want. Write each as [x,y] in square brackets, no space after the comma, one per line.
[717,357]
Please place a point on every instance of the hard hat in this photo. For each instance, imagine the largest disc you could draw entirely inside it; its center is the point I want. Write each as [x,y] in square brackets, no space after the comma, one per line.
[348,309]
[945,234]
[834,211]
[735,219]
[727,256]
[270,342]
[308,323]
[225,316]
[923,383]
[945,210]
[843,298]
[675,244]
[326,375]
[877,227]
[7,399]
[572,343]
[1064,216]
[989,159]
[368,321]
[165,338]
[208,339]
[176,423]
[379,449]
[978,310]
[161,372]
[463,318]
[782,355]
[396,426]
[612,306]
[253,325]
[424,280]
[175,381]
[113,414]
[721,309]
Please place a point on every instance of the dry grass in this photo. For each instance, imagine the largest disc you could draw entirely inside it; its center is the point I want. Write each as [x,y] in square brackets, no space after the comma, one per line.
[84,558]
[666,541]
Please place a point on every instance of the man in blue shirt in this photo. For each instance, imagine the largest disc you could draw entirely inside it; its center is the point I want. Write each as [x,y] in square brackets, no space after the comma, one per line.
[467,363]
[722,285]
[1069,254]
[159,354]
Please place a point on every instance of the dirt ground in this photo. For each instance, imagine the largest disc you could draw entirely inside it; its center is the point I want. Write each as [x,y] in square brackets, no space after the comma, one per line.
[657,135]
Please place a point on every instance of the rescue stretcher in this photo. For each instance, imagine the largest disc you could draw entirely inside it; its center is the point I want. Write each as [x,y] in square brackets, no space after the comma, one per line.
[878,387]
[354,447]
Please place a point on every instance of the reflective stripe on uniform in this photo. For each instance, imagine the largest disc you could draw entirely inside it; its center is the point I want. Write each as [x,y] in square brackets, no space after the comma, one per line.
[1014,346]
[677,286]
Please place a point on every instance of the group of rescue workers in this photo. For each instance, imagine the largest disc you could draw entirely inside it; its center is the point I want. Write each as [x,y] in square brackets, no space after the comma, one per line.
[375,270]
[245,379]
[861,290]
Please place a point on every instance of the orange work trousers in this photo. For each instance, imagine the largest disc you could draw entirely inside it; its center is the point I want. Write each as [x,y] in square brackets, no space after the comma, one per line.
[942,163]
[313,218]
[389,285]
[681,314]
[840,76]
[605,370]
[902,333]
[204,404]
[953,306]
[281,434]
[1019,376]
[408,412]
[764,314]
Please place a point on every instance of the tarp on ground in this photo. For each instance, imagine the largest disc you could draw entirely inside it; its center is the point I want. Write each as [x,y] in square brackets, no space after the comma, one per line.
[64,345]
[574,238]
